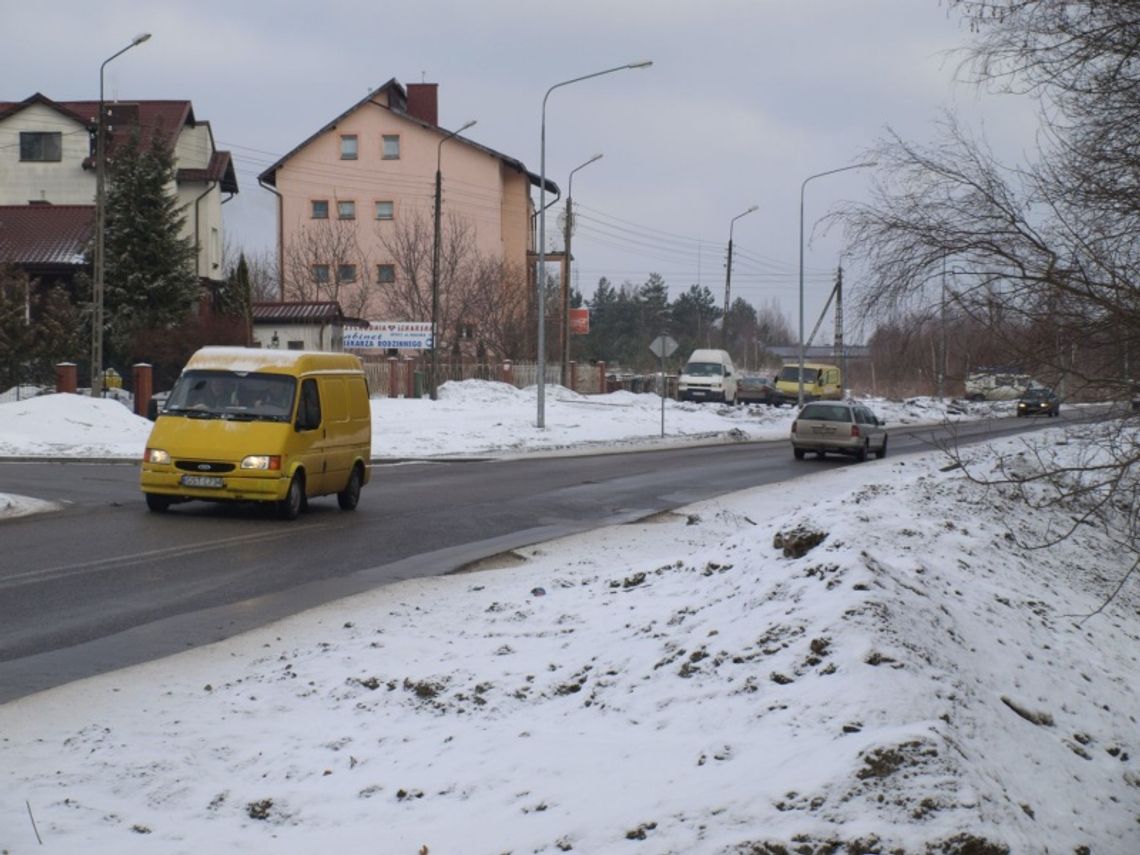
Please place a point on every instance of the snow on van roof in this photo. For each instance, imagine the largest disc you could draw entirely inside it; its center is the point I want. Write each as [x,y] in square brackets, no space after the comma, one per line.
[258,359]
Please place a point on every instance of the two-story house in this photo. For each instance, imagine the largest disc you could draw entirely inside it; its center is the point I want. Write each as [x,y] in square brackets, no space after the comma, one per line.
[47,179]
[356,202]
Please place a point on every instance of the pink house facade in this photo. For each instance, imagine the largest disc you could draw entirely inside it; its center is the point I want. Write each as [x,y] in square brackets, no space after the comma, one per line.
[366,181]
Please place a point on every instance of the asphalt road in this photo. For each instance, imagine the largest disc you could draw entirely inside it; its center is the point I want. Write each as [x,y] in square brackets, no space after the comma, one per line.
[102,583]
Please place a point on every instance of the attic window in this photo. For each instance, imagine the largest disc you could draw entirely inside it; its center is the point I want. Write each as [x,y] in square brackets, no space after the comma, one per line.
[391,147]
[348,147]
[41,146]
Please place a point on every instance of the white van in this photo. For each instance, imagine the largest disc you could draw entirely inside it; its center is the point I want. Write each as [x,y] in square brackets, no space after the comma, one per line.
[709,375]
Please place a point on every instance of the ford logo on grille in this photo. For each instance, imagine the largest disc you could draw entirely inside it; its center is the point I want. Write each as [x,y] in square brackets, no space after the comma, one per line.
[204,467]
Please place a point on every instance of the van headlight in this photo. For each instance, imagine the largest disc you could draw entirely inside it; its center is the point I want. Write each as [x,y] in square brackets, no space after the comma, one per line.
[156,455]
[261,461]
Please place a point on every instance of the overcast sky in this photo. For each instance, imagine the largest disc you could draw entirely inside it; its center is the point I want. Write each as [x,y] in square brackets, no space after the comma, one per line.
[745,99]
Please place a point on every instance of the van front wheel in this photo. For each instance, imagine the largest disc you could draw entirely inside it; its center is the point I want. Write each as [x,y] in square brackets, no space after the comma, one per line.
[350,495]
[158,504]
[290,507]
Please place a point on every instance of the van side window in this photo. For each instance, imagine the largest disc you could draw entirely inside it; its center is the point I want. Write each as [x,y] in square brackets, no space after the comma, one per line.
[309,413]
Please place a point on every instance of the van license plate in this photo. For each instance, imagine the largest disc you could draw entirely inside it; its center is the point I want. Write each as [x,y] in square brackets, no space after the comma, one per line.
[202,481]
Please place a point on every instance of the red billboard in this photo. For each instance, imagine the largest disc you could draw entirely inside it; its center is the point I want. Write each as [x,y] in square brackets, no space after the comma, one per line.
[580,321]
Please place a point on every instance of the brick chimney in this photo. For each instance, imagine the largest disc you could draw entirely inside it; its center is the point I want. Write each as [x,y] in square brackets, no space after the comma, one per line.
[423,102]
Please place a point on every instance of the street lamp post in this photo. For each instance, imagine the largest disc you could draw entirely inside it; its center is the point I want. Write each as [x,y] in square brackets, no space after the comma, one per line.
[728,277]
[100,216]
[541,419]
[800,396]
[566,274]
[435,258]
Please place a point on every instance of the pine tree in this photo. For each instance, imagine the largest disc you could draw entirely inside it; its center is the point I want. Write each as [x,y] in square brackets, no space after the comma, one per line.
[57,333]
[235,298]
[15,333]
[149,276]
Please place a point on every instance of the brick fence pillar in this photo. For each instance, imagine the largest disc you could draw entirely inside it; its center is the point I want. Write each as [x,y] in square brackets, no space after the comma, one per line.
[507,372]
[409,378]
[393,378]
[602,388]
[66,377]
[142,382]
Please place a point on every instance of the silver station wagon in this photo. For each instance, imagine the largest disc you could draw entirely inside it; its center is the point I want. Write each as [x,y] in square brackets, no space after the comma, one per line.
[839,427]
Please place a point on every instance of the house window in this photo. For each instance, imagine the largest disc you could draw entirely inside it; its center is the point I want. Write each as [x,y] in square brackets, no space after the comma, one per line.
[346,210]
[385,210]
[346,273]
[467,331]
[320,273]
[348,147]
[385,273]
[41,146]
[391,147]
[320,209]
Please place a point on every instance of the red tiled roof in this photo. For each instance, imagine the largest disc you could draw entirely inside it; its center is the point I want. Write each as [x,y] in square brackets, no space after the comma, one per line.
[153,116]
[162,119]
[329,312]
[45,234]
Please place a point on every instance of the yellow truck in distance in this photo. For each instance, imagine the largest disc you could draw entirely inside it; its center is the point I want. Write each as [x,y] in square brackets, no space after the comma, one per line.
[821,382]
[277,426]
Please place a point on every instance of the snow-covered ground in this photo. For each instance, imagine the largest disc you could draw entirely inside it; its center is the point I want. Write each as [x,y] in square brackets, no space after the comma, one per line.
[872,658]
[474,417]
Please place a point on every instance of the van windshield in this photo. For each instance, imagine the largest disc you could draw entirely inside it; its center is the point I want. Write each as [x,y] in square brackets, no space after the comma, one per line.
[233,395]
[792,373]
[704,369]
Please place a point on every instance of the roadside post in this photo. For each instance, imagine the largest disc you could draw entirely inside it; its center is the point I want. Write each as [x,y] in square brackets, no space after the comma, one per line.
[663,346]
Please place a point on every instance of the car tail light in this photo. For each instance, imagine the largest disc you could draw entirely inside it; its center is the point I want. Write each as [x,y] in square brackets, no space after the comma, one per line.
[855,430]
[794,426]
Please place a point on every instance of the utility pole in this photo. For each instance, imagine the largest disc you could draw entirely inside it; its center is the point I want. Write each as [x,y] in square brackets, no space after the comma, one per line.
[728,278]
[569,230]
[565,372]
[727,293]
[433,380]
[840,349]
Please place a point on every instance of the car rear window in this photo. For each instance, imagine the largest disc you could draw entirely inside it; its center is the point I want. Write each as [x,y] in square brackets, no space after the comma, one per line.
[825,413]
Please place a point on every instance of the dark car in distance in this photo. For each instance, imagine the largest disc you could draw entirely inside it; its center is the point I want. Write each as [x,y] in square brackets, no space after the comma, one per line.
[758,389]
[1038,401]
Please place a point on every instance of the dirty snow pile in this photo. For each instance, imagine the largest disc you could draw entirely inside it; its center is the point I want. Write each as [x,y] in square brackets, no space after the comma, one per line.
[873,658]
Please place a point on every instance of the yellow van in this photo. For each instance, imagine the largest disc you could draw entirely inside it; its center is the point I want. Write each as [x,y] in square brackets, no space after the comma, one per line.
[245,424]
[821,382]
